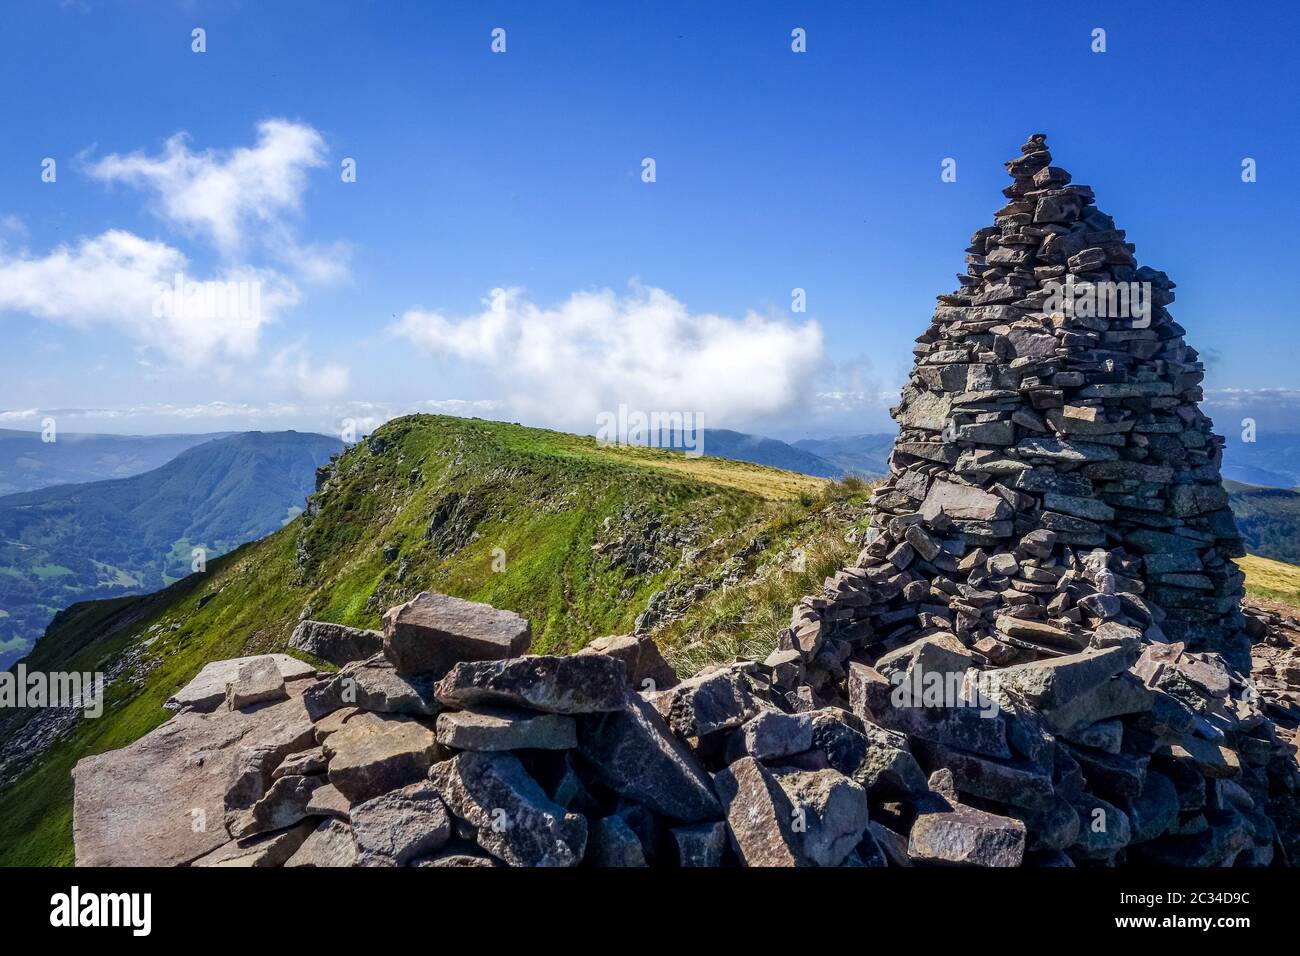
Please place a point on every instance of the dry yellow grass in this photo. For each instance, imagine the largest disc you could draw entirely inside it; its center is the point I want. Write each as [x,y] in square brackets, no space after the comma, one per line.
[772,484]
[1273,580]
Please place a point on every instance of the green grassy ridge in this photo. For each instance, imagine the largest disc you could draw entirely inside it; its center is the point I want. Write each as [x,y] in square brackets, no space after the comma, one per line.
[542,497]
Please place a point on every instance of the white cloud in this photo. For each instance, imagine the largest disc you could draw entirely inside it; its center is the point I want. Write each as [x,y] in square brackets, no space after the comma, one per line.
[597,350]
[126,282]
[293,368]
[228,195]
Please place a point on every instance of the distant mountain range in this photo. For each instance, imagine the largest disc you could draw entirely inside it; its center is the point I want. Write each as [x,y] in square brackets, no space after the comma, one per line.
[866,456]
[861,455]
[27,462]
[1272,460]
[131,535]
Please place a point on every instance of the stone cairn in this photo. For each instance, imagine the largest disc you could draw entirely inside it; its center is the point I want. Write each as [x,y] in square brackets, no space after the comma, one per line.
[1054,528]
[1038,657]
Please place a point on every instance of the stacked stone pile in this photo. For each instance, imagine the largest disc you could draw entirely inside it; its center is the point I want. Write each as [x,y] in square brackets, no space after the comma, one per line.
[453,747]
[1054,537]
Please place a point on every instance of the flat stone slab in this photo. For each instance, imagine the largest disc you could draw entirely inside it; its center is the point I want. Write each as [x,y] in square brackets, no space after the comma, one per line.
[160,801]
[500,728]
[207,691]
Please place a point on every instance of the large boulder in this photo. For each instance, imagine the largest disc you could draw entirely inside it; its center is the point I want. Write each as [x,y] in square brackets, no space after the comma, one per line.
[633,752]
[431,632]
[512,817]
[336,643]
[374,753]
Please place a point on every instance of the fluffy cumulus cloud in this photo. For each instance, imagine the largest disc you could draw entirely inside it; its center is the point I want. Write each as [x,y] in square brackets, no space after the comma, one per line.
[244,203]
[120,280]
[595,351]
[237,197]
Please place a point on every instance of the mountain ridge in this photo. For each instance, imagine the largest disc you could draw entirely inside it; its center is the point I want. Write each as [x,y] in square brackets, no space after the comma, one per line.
[106,538]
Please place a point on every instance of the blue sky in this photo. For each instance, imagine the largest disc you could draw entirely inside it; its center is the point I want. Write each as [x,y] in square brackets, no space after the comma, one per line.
[522,171]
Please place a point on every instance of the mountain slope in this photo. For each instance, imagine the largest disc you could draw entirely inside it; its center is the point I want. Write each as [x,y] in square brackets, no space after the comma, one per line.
[27,463]
[101,539]
[581,539]
[1268,519]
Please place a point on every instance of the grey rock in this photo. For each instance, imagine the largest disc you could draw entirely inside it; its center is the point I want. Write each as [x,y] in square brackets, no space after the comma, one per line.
[964,836]
[161,800]
[505,729]
[611,842]
[831,814]
[701,844]
[431,632]
[336,643]
[374,753]
[513,818]
[583,684]
[647,671]
[773,734]
[208,690]
[634,753]
[257,681]
[373,684]
[330,845]
[715,700]
[396,827]
[263,850]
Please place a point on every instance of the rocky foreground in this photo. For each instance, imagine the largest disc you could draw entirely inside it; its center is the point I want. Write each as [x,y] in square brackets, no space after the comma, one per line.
[450,746]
